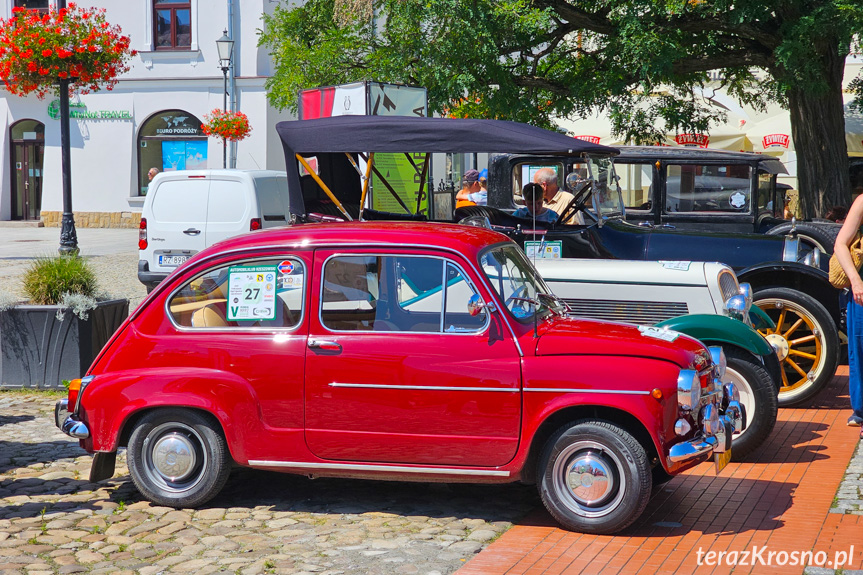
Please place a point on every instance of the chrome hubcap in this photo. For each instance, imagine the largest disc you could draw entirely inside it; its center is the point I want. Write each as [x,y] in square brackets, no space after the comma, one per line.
[590,479]
[780,344]
[174,457]
[587,479]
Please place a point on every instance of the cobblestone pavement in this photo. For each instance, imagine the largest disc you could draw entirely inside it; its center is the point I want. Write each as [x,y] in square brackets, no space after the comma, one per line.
[52,520]
[849,498]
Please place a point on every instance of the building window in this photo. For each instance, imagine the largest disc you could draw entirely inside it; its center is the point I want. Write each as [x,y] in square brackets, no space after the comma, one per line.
[170,140]
[40,5]
[172,20]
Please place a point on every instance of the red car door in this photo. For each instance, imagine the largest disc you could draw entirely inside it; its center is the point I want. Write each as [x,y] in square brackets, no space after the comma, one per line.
[397,371]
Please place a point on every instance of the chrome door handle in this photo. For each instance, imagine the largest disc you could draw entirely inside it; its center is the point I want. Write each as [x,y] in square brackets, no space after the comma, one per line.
[192,232]
[668,227]
[645,225]
[324,345]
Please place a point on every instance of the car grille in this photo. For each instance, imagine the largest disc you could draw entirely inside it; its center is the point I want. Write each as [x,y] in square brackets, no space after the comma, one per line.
[728,284]
[640,312]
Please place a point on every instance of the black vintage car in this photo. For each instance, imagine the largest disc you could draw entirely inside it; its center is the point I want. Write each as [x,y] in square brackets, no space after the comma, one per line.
[785,274]
[711,190]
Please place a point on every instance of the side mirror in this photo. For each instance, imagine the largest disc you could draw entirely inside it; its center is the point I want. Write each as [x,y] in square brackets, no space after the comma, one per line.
[476,306]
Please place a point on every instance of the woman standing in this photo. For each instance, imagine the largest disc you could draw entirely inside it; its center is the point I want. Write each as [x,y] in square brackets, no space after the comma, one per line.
[854,309]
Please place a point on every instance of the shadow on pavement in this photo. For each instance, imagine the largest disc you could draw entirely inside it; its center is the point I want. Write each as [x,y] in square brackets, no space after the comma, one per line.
[251,488]
[13,419]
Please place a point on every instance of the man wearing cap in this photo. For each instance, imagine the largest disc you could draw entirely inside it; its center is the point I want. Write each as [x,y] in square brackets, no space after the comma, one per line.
[471,192]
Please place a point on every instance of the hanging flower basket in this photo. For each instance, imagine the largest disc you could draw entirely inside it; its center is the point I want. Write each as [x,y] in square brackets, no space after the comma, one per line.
[74,43]
[232,126]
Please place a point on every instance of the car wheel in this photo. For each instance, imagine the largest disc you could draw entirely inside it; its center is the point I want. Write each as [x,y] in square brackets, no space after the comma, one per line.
[805,340]
[758,397]
[594,477]
[178,458]
[821,236]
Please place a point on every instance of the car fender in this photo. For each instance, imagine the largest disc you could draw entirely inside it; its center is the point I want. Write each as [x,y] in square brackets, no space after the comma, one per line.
[553,387]
[114,400]
[806,279]
[719,329]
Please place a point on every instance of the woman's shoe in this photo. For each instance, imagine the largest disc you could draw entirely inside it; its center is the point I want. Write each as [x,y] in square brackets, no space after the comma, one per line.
[855,421]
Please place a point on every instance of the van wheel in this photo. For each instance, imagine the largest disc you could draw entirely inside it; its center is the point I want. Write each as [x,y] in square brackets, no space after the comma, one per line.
[805,340]
[178,458]
[594,477]
[758,397]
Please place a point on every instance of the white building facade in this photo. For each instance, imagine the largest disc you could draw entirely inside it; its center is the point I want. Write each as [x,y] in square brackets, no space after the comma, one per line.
[152,117]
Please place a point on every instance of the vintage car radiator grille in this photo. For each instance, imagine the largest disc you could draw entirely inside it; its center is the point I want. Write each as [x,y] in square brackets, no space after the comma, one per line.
[640,312]
[728,284]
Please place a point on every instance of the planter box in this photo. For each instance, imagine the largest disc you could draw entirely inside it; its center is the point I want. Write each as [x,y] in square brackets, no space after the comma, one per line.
[39,351]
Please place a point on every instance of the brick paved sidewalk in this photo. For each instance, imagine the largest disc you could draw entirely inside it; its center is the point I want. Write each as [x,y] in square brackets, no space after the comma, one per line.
[780,499]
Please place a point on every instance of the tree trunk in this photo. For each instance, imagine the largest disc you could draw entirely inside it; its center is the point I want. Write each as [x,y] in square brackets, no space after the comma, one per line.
[818,129]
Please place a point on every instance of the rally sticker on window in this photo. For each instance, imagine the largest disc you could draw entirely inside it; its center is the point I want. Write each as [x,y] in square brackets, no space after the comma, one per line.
[658,332]
[251,293]
[670,265]
[552,250]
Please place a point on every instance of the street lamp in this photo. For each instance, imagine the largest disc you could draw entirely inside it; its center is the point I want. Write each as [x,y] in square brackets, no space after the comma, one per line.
[68,234]
[225,46]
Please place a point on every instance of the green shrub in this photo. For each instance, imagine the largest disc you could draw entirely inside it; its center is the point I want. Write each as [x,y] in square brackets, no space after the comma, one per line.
[48,278]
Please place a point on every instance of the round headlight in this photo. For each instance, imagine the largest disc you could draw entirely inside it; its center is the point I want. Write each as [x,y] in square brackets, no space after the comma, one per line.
[688,389]
[746,292]
[735,307]
[717,354]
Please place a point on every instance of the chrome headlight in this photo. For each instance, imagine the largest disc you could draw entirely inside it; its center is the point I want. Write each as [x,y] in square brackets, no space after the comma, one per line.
[813,258]
[688,389]
[735,307]
[746,292]
[717,354]
[791,249]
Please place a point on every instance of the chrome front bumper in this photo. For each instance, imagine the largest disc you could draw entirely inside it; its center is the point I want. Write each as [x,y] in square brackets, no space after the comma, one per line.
[733,420]
[68,423]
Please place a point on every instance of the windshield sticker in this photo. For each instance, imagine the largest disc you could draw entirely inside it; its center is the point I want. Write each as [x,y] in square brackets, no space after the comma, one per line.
[676,265]
[251,293]
[737,200]
[552,250]
[658,332]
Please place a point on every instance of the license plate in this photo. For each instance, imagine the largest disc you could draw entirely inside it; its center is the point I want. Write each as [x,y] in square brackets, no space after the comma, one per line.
[172,260]
[721,460]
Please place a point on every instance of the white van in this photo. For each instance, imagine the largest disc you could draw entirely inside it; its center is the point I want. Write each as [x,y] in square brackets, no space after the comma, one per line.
[186,211]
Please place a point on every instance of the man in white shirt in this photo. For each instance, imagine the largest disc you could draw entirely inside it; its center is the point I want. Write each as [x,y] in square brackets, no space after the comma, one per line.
[555,199]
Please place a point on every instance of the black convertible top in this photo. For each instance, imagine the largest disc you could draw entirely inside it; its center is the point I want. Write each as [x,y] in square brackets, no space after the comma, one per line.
[416,134]
[410,134]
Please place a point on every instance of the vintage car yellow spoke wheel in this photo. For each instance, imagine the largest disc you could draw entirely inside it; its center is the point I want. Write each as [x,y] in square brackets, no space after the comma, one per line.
[805,341]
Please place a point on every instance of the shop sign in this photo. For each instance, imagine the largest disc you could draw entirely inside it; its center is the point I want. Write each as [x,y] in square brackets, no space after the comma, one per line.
[79,111]
[176,125]
[591,139]
[692,140]
[776,141]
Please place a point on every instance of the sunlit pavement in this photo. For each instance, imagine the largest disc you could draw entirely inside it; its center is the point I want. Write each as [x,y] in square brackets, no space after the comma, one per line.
[778,501]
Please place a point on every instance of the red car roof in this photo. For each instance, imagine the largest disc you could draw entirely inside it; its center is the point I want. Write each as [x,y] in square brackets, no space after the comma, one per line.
[465,239]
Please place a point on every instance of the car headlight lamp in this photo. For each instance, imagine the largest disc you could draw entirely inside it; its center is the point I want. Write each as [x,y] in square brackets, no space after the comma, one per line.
[720,362]
[736,308]
[688,389]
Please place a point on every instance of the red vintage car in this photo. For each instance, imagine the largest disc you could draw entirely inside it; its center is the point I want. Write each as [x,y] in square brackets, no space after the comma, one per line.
[410,351]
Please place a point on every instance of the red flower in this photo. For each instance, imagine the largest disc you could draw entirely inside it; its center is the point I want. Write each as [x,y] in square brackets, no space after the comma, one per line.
[46,52]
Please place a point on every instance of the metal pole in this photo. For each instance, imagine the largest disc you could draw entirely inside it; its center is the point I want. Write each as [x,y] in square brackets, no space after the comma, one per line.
[225,109]
[68,236]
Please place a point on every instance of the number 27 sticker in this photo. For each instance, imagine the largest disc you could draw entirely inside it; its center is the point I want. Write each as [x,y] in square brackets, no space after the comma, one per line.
[251,293]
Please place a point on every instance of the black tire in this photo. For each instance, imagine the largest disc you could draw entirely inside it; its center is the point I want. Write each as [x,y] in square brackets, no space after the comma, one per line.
[758,397]
[612,495]
[814,234]
[789,306]
[187,443]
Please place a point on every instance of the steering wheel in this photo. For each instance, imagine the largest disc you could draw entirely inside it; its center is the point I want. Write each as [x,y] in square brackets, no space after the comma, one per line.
[575,205]
[520,291]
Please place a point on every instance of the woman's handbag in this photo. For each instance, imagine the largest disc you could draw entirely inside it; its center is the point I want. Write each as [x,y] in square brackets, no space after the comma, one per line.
[837,276]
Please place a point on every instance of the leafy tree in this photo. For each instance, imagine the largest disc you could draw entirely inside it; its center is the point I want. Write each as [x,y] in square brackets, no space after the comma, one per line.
[642,62]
